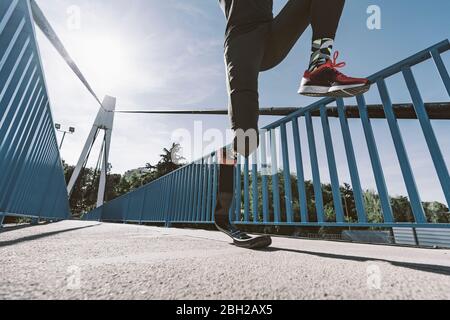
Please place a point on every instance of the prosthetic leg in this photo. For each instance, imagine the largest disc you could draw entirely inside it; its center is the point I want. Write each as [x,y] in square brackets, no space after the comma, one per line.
[224,203]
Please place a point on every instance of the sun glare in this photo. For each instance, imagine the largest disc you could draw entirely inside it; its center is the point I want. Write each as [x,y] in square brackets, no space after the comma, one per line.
[103,59]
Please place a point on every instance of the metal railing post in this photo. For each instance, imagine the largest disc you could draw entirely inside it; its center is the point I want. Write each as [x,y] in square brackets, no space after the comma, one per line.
[315,169]
[335,185]
[376,162]
[352,165]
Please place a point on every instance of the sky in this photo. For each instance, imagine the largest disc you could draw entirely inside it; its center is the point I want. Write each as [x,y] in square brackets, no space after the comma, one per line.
[154,54]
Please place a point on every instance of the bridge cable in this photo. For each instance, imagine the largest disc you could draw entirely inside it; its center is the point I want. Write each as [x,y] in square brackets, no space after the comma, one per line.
[44,25]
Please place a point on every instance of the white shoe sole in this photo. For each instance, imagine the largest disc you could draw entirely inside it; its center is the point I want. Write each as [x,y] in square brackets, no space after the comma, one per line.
[345,87]
[312,91]
[344,91]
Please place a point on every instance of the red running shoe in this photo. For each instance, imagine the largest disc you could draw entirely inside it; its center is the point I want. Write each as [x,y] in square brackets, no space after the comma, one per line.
[327,81]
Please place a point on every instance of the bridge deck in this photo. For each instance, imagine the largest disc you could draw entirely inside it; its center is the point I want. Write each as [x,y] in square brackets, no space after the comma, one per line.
[136,262]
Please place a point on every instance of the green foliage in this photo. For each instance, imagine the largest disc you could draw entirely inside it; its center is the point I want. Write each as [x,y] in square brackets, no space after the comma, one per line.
[436,212]
[372,204]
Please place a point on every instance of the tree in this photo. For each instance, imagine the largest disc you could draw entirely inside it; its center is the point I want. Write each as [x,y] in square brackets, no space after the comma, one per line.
[170,161]
[401,209]
[437,212]
[372,204]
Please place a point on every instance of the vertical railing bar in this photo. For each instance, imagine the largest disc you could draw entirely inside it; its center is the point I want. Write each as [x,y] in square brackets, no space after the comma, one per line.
[144,198]
[255,194]
[171,194]
[375,160]
[194,192]
[152,206]
[246,190]
[205,188]
[175,195]
[335,184]
[430,136]
[264,173]
[169,197]
[155,206]
[315,168]
[210,188]
[405,165]
[180,194]
[198,194]
[352,166]
[184,191]
[127,205]
[441,68]
[165,199]
[215,187]
[300,172]
[199,191]
[144,205]
[162,192]
[238,195]
[158,194]
[164,196]
[287,174]
[275,180]
[192,175]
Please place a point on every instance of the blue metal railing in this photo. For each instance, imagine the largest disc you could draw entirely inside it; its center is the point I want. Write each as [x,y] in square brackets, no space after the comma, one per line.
[264,195]
[32,182]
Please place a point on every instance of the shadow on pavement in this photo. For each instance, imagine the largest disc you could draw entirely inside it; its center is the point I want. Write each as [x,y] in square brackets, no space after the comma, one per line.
[6,229]
[40,236]
[444,270]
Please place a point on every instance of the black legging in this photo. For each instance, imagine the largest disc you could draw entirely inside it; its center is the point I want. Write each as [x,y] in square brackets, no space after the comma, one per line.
[258,42]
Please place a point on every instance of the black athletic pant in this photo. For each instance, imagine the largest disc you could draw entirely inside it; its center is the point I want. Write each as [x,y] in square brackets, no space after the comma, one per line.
[257,42]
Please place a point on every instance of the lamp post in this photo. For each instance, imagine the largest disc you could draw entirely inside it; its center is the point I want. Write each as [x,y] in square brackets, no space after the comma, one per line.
[58,128]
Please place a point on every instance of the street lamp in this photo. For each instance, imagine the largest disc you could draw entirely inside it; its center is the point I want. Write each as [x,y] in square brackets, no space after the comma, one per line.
[58,128]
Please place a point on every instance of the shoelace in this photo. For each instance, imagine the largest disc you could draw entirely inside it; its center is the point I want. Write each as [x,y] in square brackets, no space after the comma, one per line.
[334,64]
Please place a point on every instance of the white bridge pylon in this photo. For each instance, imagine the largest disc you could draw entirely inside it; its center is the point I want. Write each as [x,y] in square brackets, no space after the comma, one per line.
[103,122]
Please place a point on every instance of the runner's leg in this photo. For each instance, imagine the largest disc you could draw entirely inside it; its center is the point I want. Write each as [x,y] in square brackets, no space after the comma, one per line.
[292,21]
[243,58]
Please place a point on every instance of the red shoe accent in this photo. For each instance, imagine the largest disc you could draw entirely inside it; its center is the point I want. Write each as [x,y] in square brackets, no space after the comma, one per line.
[327,81]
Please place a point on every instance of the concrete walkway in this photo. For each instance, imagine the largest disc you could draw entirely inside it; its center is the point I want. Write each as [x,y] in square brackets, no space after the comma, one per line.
[85,260]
